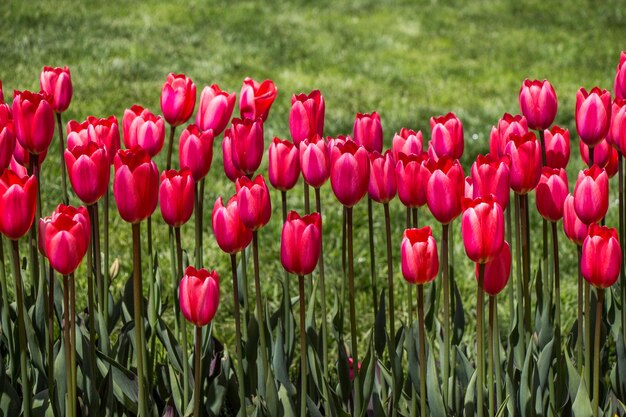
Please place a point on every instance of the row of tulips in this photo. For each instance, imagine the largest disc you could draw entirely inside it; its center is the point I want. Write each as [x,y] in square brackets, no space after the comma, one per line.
[126,376]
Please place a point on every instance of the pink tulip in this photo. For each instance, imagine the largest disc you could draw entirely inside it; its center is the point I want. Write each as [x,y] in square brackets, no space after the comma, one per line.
[231,234]
[420,262]
[315,161]
[412,175]
[195,151]
[199,295]
[230,169]
[525,154]
[508,125]
[136,184]
[7,136]
[557,146]
[591,194]
[407,142]
[301,243]
[89,171]
[620,77]
[57,83]
[246,144]
[176,196]
[601,153]
[497,271]
[617,131]
[445,189]
[574,228]
[22,156]
[253,202]
[447,136]
[537,100]
[368,131]
[178,99]
[103,132]
[306,117]
[601,257]
[255,100]
[18,197]
[33,121]
[349,172]
[551,193]
[491,175]
[593,115]
[284,164]
[142,128]
[482,228]
[382,184]
[215,109]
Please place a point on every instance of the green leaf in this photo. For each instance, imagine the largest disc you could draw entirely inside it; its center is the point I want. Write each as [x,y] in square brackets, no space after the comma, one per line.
[470,397]
[543,364]
[285,401]
[458,315]
[10,404]
[435,397]
[125,386]
[582,404]
[367,378]
[503,408]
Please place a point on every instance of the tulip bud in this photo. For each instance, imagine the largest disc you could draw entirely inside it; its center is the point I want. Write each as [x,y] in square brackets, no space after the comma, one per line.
[176,196]
[33,121]
[306,117]
[7,136]
[407,142]
[593,115]
[256,99]
[231,234]
[447,136]
[216,108]
[195,151]
[142,128]
[617,131]
[284,164]
[420,262]
[491,175]
[525,154]
[301,243]
[482,228]
[537,100]
[351,368]
[57,83]
[246,144]
[230,169]
[382,182]
[507,126]
[620,77]
[349,172]
[89,171]
[368,131]
[557,146]
[412,177]
[314,161]
[178,99]
[551,192]
[497,271]
[199,295]
[446,188]
[591,194]
[253,202]
[574,228]
[602,256]
[136,184]
[103,132]
[18,197]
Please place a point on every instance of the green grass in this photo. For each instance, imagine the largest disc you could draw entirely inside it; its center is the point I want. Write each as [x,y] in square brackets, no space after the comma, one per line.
[408,60]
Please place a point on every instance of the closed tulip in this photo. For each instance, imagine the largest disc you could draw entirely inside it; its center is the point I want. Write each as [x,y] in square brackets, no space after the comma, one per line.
[491,175]
[617,131]
[253,202]
[349,172]
[178,99]
[407,142]
[446,188]
[199,295]
[368,131]
[284,164]
[602,153]
[525,155]
[136,184]
[22,156]
[551,192]
[104,132]
[620,77]
[256,99]
[557,145]
[195,151]
[7,137]
[574,228]
[593,115]
[591,194]
[176,196]
[57,83]
[215,109]
[508,125]
[420,262]
[497,271]
[231,234]
[301,243]
[315,161]
[306,117]
[482,228]
[142,128]
[412,175]
[18,197]
[601,257]
[447,136]
[230,169]
[246,144]
[382,184]
[89,171]
[537,100]
[33,121]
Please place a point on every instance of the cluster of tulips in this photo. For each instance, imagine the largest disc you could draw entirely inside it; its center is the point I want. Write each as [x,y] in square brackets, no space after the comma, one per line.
[519,160]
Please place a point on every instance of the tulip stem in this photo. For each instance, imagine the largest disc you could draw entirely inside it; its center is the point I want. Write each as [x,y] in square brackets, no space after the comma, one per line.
[33,245]
[73,341]
[107,276]
[95,225]
[238,345]
[446,310]
[479,340]
[198,373]
[491,365]
[579,336]
[91,305]
[51,338]
[344,249]
[320,266]
[497,362]
[588,351]
[260,317]
[392,321]
[170,146]
[6,317]
[61,153]
[518,270]
[246,296]
[307,200]
[422,348]
[70,405]
[283,197]
[526,262]
[557,290]
[303,348]
[138,316]
[370,226]
[198,225]
[596,352]
[178,318]
[353,334]
[511,283]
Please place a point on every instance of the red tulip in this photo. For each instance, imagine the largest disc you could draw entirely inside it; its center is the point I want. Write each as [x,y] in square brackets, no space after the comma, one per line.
[231,234]
[446,187]
[491,175]
[593,115]
[246,144]
[306,118]
[337,140]
[199,295]
[382,184]
[176,196]
[601,257]
[601,153]
[33,121]
[525,154]
[256,99]
[407,142]
[617,131]
[195,151]
[7,136]
[420,262]
[142,128]
[537,100]
[482,228]
[89,171]
[412,175]
[18,168]
[497,271]
[103,132]
[557,146]
[591,194]
[178,99]
[284,164]
[253,202]
[216,108]
[65,236]
[447,136]
[314,161]
[574,228]
[136,184]
[57,83]
[22,156]
[301,243]
[551,192]
[18,197]
[508,125]
[368,131]
[349,172]
[232,172]
[620,77]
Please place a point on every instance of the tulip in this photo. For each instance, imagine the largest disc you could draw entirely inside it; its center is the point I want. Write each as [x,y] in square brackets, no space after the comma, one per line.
[337,140]
[136,184]
[557,146]
[231,234]
[230,169]
[537,100]
[253,202]
[351,368]
[382,183]
[7,137]
[195,151]
[447,136]
[551,193]
[617,131]
[315,161]
[18,197]
[349,172]
[89,171]
[602,154]
[591,194]
[33,121]
[469,187]
[445,189]
[412,175]
[491,175]
[420,261]
[284,164]
[368,131]
[620,77]
[497,271]
[215,109]
[482,228]
[22,157]
[256,99]
[508,125]
[176,196]
[593,115]
[246,144]
[600,263]
[407,142]
[301,243]
[306,117]
[57,83]
[574,228]
[103,132]
[525,154]
[178,99]
[142,128]
[199,295]
[66,235]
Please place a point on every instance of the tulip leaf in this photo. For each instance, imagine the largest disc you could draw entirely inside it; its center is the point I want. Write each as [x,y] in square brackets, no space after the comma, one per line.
[367,377]
[620,365]
[278,362]
[502,410]
[470,397]
[544,363]
[285,401]
[10,404]
[343,371]
[582,404]
[526,393]
[125,386]
[168,340]
[435,397]
[458,313]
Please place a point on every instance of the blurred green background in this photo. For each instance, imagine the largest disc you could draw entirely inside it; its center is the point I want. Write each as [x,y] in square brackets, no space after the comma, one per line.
[408,60]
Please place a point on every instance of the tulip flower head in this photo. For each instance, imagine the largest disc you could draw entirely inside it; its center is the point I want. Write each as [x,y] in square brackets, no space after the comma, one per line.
[215,109]
[136,184]
[199,295]
[593,115]
[617,131]
[601,256]
[551,193]
[195,151]
[349,172]
[412,175]
[176,196]
[603,155]
[178,99]
[407,142]
[557,144]
[33,120]
[7,136]
[89,171]
[284,164]
[620,77]
[508,125]
[591,194]
[497,271]
[57,84]
[447,136]
[246,141]
[103,132]
[482,228]
[231,234]
[420,262]
[538,103]
[301,243]
[491,175]
[382,184]
[18,197]
[315,161]
[253,202]
[446,188]
[306,117]
[368,131]
[142,128]
[230,169]
[574,228]
[256,99]
[525,155]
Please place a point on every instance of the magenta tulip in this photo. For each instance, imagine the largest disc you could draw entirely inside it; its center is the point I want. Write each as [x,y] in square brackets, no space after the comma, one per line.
[246,144]
[199,295]
[306,117]
[176,196]
[231,234]
[537,100]
[33,121]
[230,169]
[255,100]
[104,132]
[601,153]
[301,243]
[215,109]
[136,184]
[491,175]
[349,172]
[412,175]
[57,83]
[18,198]
[508,125]
[142,128]
[497,271]
[557,146]
[447,136]
[482,227]
[551,193]
[7,136]
[601,257]
[591,194]
[617,131]
[525,154]
[574,228]
[593,115]
[620,77]
[368,131]
[89,171]
[420,262]
[284,164]
[195,151]
[178,99]
[407,142]
[382,184]
[253,202]
[446,188]
[315,161]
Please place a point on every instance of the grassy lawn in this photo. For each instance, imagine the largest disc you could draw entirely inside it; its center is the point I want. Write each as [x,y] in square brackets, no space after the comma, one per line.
[408,60]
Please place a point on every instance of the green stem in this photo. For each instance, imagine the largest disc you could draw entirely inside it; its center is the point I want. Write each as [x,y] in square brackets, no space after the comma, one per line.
[303,349]
[320,266]
[260,317]
[283,198]
[138,316]
[91,305]
[491,364]
[6,317]
[446,311]
[33,244]
[518,270]
[238,345]
[422,349]
[62,155]
[370,227]
[198,373]
[588,351]
[596,352]
[70,400]
[511,283]
[246,296]
[95,225]
[526,264]
[579,337]
[307,200]
[557,286]
[107,276]
[73,341]
[497,361]
[392,309]
[182,323]
[344,251]
[169,147]
[175,275]
[544,251]
[479,340]
[353,334]
[51,338]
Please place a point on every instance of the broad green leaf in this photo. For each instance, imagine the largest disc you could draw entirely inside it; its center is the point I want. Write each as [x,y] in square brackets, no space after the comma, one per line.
[582,404]
[435,397]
